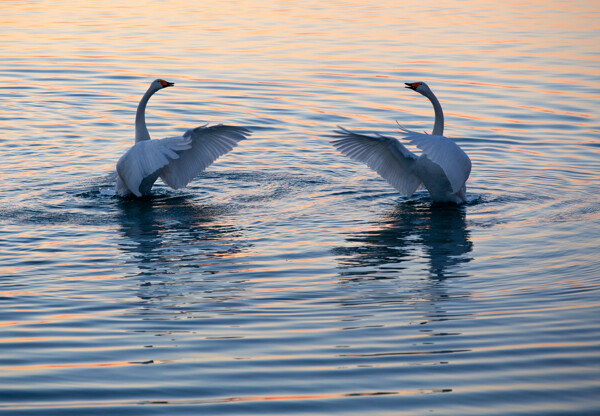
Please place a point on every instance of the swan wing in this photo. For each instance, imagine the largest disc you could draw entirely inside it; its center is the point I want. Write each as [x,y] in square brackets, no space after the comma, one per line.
[206,145]
[446,153]
[147,157]
[385,155]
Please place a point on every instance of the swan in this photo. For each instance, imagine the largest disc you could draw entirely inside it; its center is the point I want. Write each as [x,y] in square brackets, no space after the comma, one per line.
[176,160]
[443,167]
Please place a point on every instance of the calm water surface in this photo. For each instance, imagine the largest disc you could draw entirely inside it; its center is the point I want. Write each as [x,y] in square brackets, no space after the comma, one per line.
[288,279]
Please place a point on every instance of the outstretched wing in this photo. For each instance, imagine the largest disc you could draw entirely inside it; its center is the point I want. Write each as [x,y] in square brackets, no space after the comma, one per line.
[385,155]
[147,157]
[206,145]
[444,152]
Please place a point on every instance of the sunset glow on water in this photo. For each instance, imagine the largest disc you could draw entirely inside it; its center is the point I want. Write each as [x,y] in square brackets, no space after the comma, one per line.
[287,278]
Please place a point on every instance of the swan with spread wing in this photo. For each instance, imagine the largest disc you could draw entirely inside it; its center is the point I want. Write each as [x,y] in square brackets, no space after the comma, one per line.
[443,167]
[176,160]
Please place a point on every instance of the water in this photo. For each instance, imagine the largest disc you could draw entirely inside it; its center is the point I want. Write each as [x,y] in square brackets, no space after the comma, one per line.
[288,279]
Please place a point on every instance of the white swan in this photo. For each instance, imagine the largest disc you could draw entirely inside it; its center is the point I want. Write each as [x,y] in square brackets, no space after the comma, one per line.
[443,167]
[177,160]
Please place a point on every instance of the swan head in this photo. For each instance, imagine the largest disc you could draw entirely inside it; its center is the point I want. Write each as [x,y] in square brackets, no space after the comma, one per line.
[159,84]
[419,87]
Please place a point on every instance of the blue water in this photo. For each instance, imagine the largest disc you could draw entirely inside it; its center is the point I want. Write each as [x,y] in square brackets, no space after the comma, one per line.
[288,279]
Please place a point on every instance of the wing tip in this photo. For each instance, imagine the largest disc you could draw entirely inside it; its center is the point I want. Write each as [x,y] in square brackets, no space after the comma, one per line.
[243,131]
[339,132]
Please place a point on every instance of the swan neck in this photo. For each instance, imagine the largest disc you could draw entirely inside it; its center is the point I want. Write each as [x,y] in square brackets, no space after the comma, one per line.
[438,125]
[141,131]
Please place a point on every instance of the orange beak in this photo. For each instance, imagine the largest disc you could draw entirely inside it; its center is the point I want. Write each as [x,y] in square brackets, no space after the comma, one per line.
[166,83]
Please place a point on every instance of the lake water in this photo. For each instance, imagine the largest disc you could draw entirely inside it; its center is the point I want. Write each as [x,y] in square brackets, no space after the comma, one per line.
[288,279]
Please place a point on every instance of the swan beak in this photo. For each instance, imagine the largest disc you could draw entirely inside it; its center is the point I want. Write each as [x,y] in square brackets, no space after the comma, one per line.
[412,85]
[166,84]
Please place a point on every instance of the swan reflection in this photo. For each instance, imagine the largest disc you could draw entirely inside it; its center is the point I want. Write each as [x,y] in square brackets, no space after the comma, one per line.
[166,235]
[435,232]
[180,255]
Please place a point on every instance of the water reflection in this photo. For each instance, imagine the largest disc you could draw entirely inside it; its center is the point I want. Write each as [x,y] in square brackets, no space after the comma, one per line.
[436,232]
[173,232]
[183,254]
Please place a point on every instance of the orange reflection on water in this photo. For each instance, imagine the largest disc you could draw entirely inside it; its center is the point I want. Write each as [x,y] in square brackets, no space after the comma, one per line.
[78,365]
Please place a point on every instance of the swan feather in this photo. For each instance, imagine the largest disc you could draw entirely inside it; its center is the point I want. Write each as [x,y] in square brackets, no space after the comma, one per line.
[385,155]
[206,145]
[444,152]
[147,157]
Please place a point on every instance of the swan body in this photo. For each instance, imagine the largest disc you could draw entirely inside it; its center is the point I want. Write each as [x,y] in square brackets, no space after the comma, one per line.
[442,168]
[176,160]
